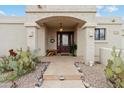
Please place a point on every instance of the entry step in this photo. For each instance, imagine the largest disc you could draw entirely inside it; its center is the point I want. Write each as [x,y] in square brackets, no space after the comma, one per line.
[65,54]
[65,77]
[63,84]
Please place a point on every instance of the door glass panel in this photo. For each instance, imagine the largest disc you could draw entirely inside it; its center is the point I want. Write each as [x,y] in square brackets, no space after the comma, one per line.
[71,41]
[65,40]
[58,39]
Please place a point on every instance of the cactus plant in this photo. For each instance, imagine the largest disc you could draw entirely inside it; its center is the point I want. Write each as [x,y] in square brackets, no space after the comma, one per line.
[4,65]
[24,62]
[114,70]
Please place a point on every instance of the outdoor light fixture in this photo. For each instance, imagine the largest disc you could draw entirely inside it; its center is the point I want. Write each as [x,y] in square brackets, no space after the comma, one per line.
[31,34]
[39,6]
[113,20]
[61,27]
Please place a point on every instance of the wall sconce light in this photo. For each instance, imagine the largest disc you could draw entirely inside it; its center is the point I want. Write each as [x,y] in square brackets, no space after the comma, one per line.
[91,36]
[31,34]
[39,6]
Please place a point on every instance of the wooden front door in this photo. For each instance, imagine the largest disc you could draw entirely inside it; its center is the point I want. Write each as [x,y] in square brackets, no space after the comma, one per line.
[64,40]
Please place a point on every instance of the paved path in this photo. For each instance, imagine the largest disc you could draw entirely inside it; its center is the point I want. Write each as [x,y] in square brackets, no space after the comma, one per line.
[62,66]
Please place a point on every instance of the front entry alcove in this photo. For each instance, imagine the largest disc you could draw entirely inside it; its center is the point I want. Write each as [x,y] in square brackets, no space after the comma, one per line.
[73,30]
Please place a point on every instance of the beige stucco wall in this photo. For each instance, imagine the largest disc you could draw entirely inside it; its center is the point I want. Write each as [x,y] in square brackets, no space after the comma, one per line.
[86,13]
[105,54]
[52,34]
[32,18]
[113,34]
[55,8]
[12,34]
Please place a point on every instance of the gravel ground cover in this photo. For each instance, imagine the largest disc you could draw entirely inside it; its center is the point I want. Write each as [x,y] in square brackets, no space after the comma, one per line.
[94,75]
[26,81]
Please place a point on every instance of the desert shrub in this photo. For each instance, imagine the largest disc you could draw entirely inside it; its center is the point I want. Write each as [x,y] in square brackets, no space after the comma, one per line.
[114,70]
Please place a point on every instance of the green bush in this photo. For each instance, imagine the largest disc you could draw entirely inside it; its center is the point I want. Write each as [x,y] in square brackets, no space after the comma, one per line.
[73,48]
[114,70]
[24,62]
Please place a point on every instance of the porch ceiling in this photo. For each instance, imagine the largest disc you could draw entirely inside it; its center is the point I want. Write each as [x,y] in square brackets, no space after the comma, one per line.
[67,22]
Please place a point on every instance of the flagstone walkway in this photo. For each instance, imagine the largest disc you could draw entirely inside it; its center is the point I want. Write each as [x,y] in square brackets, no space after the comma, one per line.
[62,66]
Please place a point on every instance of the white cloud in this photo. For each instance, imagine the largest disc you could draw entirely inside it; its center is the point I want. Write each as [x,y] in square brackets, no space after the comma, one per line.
[111,9]
[98,14]
[13,14]
[2,13]
[100,7]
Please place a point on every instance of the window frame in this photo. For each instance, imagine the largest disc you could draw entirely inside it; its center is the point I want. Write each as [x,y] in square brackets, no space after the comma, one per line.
[99,34]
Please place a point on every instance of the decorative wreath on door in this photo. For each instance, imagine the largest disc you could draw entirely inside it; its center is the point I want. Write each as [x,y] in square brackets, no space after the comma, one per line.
[52,40]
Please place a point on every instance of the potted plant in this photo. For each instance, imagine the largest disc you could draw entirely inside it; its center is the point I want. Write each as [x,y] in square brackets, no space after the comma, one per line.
[73,48]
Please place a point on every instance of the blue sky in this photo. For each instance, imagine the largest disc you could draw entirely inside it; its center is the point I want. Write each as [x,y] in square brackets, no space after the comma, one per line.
[19,10]
[12,10]
[109,10]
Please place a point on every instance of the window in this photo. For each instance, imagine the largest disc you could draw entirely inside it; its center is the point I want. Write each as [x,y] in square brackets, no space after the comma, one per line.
[100,33]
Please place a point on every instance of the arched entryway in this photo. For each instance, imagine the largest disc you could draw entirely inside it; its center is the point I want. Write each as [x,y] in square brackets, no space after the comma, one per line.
[47,34]
[60,32]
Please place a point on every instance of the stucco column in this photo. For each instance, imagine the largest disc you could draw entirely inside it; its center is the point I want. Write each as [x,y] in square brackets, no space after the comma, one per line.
[42,40]
[80,42]
[90,45]
[32,37]
[85,43]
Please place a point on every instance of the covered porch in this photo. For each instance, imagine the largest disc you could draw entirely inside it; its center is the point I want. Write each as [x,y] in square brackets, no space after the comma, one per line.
[59,33]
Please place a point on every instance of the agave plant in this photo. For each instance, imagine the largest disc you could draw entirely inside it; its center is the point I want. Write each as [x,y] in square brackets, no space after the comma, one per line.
[114,70]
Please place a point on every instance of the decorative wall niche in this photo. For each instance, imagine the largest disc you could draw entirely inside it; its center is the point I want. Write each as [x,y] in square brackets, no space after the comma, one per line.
[116,33]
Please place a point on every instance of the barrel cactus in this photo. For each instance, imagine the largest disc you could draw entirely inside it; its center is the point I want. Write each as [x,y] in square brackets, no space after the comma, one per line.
[114,70]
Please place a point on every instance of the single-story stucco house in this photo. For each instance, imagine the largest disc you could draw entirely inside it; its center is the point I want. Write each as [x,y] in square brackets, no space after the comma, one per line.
[57,27]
